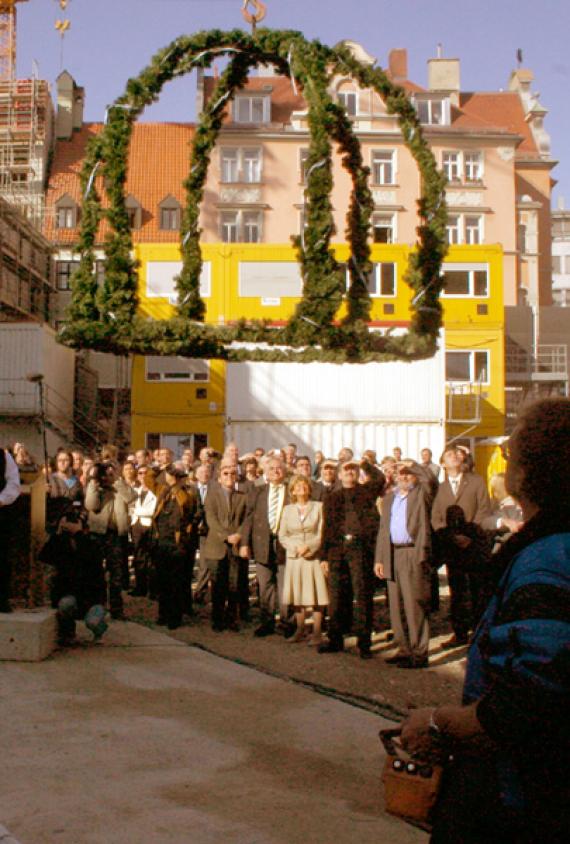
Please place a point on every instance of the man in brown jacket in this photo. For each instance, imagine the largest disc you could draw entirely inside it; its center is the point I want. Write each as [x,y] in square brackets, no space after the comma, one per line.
[468,491]
[225,513]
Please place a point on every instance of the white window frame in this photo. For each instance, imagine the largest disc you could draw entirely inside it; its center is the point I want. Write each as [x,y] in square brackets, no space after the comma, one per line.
[393,226]
[430,102]
[240,223]
[384,160]
[459,233]
[471,379]
[343,98]
[456,164]
[239,173]
[376,278]
[177,375]
[471,269]
[174,216]
[266,108]
[66,216]
[451,165]
[303,158]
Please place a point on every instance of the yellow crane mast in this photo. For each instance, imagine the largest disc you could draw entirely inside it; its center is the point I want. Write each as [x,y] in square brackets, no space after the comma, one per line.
[8,39]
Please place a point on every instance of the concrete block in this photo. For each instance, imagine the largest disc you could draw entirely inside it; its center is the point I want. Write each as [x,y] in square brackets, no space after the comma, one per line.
[28,635]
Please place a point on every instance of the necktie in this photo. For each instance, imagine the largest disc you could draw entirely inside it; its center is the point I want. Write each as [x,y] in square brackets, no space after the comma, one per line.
[454,485]
[273,505]
[202,493]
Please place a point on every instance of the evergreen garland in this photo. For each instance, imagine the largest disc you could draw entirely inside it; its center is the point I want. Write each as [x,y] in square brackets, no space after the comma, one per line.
[107,320]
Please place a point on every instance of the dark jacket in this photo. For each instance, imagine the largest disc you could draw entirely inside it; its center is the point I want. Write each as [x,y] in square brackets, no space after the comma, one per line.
[365,496]
[256,533]
[472,497]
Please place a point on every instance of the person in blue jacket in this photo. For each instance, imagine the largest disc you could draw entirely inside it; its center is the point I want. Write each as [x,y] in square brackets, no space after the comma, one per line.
[508,778]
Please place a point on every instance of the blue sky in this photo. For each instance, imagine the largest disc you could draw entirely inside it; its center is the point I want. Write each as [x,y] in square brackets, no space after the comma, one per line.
[110,40]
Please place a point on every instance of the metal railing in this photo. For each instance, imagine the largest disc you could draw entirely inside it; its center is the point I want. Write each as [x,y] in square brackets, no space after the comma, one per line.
[551,359]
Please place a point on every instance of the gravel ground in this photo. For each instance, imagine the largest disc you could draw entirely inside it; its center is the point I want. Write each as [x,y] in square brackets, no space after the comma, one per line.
[372,684]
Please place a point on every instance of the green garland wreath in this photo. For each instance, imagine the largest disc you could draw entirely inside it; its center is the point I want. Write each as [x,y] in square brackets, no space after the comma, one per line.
[107,319]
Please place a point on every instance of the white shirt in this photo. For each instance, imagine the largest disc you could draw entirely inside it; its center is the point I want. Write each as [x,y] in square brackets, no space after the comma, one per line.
[13,488]
[280,502]
[143,511]
[454,482]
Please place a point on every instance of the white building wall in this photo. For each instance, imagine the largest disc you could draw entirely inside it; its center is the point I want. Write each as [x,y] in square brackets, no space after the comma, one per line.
[327,406]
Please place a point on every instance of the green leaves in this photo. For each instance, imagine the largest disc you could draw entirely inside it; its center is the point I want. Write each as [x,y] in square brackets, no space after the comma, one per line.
[107,318]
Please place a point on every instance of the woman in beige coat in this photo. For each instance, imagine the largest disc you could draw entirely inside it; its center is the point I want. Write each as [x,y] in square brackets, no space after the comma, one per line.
[300,534]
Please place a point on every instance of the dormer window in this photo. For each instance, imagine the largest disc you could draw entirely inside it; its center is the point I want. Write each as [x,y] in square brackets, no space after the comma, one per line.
[134,212]
[433,110]
[66,213]
[349,101]
[252,109]
[169,214]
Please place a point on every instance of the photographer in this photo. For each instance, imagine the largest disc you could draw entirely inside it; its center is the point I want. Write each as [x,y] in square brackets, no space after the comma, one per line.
[75,575]
[9,492]
[107,498]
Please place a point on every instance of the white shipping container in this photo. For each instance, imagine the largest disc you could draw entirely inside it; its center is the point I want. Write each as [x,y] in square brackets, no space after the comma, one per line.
[322,406]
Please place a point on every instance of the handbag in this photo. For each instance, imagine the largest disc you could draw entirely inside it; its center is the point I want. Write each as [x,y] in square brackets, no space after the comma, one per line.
[411,786]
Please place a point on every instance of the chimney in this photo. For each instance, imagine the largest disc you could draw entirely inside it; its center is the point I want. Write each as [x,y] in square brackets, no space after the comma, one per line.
[398,64]
[70,99]
[444,76]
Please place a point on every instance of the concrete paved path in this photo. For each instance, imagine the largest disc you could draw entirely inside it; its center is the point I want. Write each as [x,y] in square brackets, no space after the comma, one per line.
[143,739]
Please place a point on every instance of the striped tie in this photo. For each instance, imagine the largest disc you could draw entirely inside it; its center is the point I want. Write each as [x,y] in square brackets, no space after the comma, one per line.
[273,506]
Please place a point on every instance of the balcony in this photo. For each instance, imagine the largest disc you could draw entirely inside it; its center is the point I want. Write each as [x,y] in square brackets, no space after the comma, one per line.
[550,363]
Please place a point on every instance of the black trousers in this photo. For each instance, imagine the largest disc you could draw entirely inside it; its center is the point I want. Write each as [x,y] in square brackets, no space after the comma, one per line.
[225,584]
[142,558]
[351,592]
[469,595]
[110,548]
[169,561]
[5,560]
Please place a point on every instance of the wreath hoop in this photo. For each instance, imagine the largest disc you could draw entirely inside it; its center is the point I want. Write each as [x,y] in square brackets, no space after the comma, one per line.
[106,319]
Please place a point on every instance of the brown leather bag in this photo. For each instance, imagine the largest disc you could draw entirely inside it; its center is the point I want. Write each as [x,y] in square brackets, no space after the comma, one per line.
[411,786]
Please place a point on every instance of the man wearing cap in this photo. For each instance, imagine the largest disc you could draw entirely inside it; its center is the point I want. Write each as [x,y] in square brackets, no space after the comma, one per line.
[349,536]
[260,539]
[403,553]
[328,482]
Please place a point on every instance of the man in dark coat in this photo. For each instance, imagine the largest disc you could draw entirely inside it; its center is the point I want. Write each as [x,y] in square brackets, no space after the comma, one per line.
[225,512]
[403,552]
[466,490]
[260,540]
[349,535]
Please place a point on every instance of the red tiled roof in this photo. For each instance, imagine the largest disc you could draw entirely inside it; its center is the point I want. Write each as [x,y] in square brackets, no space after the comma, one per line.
[158,163]
[502,110]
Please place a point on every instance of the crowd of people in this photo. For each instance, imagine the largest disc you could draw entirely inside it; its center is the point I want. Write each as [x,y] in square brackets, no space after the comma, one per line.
[308,542]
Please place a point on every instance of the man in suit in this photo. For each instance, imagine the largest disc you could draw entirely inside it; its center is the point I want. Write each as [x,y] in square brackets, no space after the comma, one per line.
[349,537]
[203,483]
[403,557]
[225,512]
[260,540]
[468,491]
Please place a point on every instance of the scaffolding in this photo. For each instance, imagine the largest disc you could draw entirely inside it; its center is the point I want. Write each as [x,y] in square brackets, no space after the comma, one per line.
[24,139]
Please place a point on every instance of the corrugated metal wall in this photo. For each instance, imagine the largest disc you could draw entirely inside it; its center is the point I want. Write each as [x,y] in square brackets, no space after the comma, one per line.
[327,406]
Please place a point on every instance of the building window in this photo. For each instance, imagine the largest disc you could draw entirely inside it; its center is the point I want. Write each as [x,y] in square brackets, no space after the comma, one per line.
[383,167]
[383,228]
[176,369]
[169,216]
[473,166]
[303,168]
[100,272]
[252,109]
[241,165]
[240,226]
[63,272]
[557,264]
[451,166]
[464,228]
[66,217]
[461,166]
[349,101]
[134,212]
[433,111]
[467,366]
[466,280]
[381,281]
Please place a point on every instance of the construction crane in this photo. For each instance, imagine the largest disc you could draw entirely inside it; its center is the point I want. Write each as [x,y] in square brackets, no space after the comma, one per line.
[8,39]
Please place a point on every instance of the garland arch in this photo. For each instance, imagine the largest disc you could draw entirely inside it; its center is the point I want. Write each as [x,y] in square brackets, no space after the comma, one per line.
[106,319]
